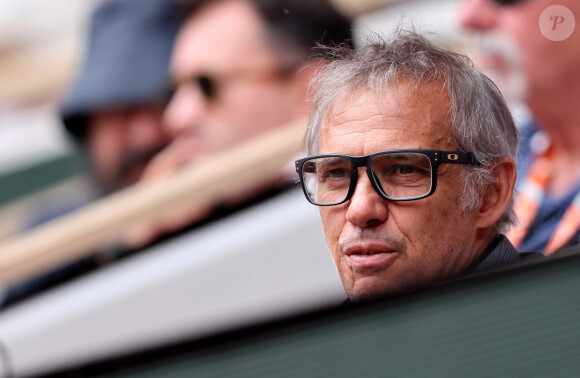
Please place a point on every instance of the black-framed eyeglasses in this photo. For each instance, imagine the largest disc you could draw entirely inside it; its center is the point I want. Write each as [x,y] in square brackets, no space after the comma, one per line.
[397,175]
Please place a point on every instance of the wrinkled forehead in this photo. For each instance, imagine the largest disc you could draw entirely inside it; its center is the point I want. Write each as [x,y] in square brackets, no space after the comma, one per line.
[399,118]
[422,101]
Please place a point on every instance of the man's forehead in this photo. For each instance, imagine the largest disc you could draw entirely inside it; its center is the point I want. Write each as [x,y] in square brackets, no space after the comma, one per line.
[414,102]
[408,116]
[221,36]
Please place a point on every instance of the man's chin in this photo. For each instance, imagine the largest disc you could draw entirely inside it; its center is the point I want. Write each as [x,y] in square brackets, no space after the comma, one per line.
[372,287]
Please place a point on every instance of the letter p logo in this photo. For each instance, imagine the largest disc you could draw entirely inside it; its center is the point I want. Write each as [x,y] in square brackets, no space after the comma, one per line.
[557,23]
[557,20]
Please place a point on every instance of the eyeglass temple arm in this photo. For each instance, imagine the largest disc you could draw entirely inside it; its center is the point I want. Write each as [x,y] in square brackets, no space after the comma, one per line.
[458,157]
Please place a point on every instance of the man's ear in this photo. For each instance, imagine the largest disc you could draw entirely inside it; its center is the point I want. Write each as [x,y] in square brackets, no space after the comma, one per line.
[498,195]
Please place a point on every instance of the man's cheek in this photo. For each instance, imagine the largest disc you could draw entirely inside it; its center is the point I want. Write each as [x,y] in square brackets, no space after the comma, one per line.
[331,230]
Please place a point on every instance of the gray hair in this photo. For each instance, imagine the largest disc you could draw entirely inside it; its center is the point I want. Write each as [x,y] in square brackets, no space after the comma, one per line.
[480,119]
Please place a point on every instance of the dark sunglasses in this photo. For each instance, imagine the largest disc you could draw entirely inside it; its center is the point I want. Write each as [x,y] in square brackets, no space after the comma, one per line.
[206,84]
[507,2]
[209,84]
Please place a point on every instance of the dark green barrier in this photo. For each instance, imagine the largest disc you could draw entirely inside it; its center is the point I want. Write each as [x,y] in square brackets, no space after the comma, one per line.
[523,322]
[40,176]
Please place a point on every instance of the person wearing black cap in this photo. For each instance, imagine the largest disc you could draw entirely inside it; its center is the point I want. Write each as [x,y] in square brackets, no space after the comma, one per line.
[114,107]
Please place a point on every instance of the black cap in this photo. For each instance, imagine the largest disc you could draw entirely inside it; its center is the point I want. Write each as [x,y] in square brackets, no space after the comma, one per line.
[128,53]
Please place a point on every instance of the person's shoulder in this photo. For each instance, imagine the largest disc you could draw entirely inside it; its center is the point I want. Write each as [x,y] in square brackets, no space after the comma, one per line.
[498,254]
[512,255]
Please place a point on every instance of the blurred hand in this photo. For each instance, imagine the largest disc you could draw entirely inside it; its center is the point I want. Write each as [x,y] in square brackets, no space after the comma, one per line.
[165,164]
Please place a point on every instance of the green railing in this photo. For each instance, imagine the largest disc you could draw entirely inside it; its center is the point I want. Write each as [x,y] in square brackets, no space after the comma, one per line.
[521,322]
[29,180]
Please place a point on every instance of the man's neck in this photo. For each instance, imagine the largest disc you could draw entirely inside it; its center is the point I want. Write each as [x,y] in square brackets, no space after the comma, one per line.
[483,239]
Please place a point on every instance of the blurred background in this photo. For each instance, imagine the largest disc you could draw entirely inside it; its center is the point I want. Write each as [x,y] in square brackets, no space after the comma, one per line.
[41,47]
[42,44]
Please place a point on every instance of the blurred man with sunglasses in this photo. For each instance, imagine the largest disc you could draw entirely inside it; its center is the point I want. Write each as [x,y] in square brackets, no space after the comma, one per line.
[239,68]
[412,166]
[531,49]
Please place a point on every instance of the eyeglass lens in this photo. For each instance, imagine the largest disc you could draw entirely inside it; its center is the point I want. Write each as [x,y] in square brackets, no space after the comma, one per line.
[506,2]
[207,86]
[399,176]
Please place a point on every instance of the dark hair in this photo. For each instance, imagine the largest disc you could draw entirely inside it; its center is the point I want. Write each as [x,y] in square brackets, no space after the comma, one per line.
[295,26]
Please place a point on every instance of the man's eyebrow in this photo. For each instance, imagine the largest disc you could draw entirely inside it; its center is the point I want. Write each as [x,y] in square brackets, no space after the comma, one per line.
[407,156]
[330,160]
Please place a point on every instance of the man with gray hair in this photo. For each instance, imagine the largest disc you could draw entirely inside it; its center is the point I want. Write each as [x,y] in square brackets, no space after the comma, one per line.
[438,145]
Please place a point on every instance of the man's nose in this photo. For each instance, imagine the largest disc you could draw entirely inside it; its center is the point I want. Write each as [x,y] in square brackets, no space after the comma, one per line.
[185,111]
[366,207]
[477,14]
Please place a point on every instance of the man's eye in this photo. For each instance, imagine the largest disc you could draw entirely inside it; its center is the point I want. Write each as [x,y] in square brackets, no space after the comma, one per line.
[336,173]
[399,170]
[404,170]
